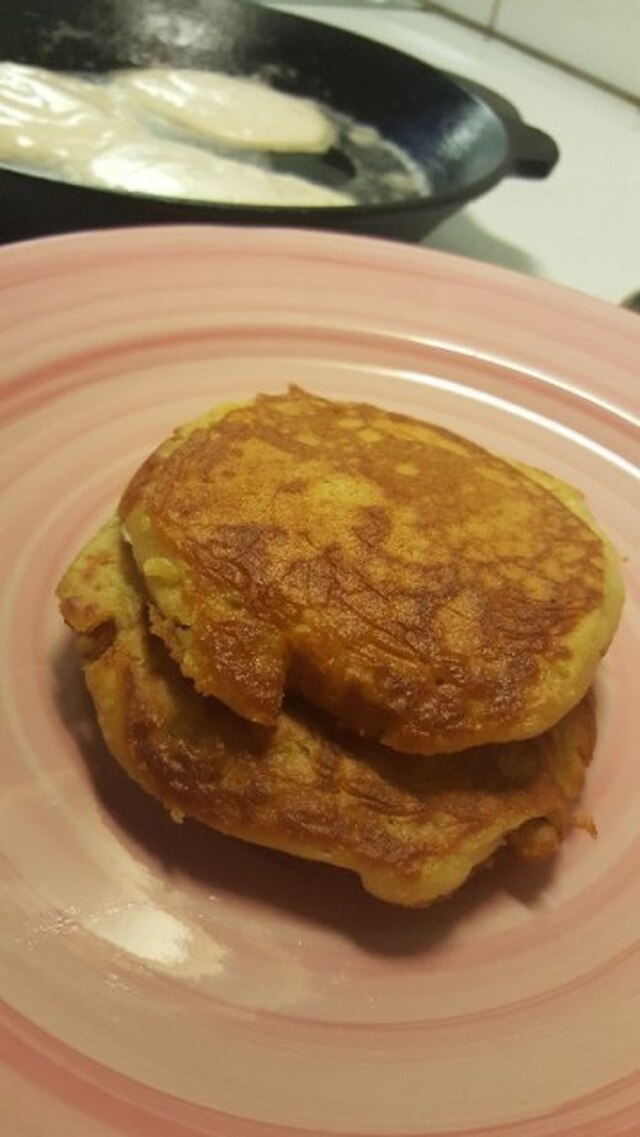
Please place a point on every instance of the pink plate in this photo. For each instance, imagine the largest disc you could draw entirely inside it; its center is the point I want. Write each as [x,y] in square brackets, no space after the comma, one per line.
[161,981]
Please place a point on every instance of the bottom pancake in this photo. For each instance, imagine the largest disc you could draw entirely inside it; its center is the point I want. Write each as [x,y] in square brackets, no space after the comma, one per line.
[412,829]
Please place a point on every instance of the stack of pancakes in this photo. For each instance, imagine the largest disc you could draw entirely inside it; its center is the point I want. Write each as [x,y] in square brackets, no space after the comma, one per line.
[349,635]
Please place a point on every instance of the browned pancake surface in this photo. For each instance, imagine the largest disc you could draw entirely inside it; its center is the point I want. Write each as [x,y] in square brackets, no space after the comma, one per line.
[425,592]
[413,829]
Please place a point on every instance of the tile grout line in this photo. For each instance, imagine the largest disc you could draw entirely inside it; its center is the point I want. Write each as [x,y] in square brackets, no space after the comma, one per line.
[490,30]
[493,16]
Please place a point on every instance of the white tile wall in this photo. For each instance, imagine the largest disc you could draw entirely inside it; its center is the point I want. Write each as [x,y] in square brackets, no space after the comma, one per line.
[600,37]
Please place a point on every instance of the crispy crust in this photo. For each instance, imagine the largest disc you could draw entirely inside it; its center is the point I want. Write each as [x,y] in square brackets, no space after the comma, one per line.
[413,829]
[421,590]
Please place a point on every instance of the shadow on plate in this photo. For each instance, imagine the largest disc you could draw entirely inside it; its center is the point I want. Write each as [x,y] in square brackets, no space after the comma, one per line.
[206,864]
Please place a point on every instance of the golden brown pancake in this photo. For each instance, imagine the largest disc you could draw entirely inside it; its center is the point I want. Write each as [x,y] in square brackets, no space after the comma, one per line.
[413,829]
[423,591]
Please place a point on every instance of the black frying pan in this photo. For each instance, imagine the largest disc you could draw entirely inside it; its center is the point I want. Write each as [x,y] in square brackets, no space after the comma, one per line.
[465,137]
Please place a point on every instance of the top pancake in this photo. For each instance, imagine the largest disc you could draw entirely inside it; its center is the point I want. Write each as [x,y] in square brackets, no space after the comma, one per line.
[422,590]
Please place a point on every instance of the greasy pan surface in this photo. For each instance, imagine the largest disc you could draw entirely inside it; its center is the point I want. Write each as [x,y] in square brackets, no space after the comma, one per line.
[464,142]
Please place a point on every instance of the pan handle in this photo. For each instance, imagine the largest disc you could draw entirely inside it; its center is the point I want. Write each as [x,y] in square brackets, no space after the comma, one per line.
[534,152]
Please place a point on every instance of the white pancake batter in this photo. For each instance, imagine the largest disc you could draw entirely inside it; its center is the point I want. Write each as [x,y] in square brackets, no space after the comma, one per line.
[165,168]
[224,108]
[47,118]
[91,133]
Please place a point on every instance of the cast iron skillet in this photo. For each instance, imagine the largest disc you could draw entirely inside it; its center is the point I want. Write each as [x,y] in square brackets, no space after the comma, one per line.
[465,137]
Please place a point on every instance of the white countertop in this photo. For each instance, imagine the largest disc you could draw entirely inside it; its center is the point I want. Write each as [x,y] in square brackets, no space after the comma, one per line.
[580,226]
